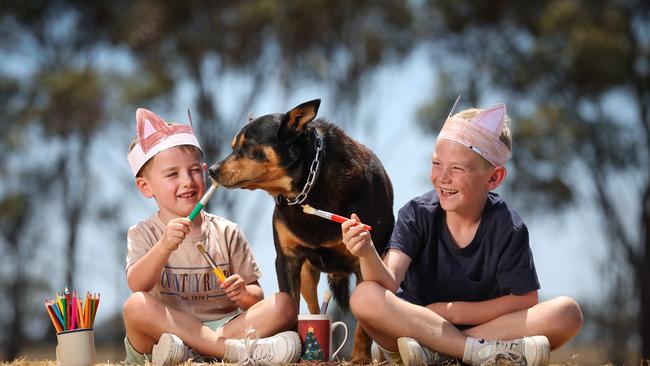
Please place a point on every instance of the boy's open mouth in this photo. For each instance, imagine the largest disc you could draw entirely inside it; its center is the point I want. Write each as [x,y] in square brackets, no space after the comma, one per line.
[187,195]
[448,192]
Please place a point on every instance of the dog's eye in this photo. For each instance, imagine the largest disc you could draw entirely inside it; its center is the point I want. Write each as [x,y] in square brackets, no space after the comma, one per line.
[258,154]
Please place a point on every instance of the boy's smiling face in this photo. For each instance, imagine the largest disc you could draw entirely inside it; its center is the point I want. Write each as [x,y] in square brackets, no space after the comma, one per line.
[175,178]
[462,178]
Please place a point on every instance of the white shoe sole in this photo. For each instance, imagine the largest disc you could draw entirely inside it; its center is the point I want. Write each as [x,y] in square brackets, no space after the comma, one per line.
[293,341]
[539,350]
[409,357]
[164,347]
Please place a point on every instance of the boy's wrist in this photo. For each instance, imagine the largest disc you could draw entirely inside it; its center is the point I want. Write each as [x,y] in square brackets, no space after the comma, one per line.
[166,248]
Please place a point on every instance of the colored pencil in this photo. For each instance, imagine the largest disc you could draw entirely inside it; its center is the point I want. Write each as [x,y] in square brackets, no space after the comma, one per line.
[53,317]
[70,311]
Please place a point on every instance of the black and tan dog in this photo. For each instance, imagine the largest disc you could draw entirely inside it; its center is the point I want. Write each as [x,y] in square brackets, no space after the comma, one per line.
[299,160]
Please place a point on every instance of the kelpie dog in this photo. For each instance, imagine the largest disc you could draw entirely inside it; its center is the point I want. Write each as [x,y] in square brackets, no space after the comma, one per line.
[299,160]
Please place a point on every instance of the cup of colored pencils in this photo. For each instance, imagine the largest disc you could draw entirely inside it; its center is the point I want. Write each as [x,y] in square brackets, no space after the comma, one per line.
[73,317]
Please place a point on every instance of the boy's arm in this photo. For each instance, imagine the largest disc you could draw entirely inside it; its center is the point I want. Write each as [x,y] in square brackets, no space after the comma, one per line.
[390,272]
[480,312]
[144,273]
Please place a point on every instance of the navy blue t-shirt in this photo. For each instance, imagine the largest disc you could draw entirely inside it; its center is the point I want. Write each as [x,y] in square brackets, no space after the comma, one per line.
[497,262]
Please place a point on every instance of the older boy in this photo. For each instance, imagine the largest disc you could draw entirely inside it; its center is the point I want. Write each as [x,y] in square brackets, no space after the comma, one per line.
[177,300]
[458,278]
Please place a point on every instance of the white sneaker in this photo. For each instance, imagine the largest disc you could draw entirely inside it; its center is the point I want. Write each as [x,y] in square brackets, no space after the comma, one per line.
[413,354]
[379,354]
[170,350]
[530,351]
[282,348]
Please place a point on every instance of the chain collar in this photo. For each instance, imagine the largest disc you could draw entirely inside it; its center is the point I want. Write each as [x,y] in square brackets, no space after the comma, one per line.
[314,169]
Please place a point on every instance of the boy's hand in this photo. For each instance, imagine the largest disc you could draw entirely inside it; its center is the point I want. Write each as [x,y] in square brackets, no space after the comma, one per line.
[175,231]
[356,238]
[235,288]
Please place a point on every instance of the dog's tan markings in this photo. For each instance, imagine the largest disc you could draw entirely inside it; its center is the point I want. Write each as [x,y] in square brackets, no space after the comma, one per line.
[288,241]
[233,142]
[300,116]
[309,277]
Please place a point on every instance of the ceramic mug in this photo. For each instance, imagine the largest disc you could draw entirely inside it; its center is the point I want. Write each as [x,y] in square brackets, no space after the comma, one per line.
[315,332]
[76,347]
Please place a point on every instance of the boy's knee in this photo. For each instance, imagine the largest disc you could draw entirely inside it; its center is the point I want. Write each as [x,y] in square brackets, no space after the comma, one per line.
[570,311]
[135,308]
[364,299]
[286,309]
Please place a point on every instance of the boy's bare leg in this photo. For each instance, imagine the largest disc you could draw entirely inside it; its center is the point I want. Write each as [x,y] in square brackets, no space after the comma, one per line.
[558,319]
[146,318]
[268,317]
[386,317]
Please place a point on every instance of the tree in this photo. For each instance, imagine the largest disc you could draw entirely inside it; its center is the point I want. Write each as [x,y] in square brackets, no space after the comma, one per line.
[576,78]
[72,70]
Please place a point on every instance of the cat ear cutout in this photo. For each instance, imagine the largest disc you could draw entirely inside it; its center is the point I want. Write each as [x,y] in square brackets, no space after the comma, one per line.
[493,118]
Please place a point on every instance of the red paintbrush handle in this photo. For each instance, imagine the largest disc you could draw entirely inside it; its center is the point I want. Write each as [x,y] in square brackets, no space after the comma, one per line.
[342,219]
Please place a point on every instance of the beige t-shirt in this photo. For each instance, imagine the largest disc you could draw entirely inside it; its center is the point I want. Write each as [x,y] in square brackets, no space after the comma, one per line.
[187,282]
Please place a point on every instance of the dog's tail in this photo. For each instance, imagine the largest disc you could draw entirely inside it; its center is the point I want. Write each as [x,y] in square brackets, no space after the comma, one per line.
[340,286]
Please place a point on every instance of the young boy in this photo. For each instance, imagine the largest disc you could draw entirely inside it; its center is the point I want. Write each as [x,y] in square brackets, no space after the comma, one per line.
[458,279]
[177,300]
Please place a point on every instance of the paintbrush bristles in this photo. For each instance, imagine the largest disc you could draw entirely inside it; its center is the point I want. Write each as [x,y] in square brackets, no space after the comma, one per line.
[204,252]
[308,209]
[327,296]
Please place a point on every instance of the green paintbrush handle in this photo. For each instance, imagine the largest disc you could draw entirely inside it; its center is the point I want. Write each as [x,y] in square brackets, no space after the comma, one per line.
[199,206]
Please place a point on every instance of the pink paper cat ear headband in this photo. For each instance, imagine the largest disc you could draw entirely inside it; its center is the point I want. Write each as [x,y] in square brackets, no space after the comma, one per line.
[480,134]
[154,136]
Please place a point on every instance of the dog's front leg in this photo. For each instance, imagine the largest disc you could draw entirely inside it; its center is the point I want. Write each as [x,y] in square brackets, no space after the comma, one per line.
[287,266]
[362,341]
[309,277]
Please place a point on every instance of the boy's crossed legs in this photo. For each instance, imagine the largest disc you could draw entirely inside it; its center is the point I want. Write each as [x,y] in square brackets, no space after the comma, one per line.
[146,319]
[386,318]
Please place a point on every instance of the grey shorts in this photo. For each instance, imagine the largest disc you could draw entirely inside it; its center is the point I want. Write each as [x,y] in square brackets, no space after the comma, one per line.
[134,357]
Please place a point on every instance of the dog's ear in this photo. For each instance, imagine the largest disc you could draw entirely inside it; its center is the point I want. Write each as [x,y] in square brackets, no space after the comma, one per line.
[294,121]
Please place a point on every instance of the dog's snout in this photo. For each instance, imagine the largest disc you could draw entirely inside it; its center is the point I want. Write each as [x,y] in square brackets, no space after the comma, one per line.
[214,171]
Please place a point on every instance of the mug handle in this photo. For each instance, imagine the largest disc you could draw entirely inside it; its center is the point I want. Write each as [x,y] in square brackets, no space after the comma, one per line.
[345,337]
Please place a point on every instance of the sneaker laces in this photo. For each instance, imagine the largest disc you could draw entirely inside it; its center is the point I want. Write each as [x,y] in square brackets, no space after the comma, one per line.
[508,353]
[254,355]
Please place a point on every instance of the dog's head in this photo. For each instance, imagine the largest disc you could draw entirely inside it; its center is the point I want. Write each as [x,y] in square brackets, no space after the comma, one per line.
[267,151]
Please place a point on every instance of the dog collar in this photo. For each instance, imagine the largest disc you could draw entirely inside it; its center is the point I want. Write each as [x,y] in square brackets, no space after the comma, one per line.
[314,169]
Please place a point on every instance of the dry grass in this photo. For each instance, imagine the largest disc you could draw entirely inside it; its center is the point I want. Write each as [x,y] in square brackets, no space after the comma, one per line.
[573,361]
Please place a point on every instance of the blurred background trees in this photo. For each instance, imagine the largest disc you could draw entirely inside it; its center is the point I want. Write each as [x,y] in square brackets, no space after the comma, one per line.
[575,75]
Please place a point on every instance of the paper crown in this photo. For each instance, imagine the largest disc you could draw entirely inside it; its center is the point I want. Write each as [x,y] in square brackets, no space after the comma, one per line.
[155,135]
[480,134]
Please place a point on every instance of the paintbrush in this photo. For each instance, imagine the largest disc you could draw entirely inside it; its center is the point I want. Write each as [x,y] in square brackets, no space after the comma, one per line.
[217,271]
[329,216]
[204,200]
[326,300]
